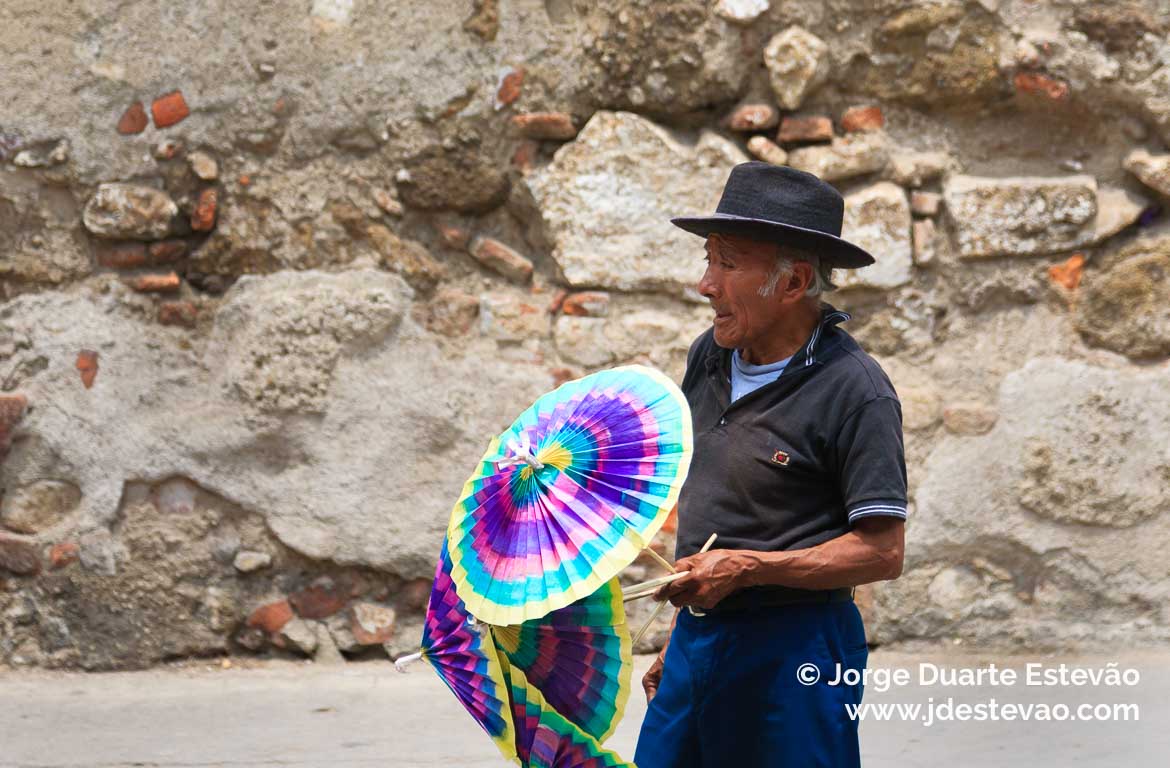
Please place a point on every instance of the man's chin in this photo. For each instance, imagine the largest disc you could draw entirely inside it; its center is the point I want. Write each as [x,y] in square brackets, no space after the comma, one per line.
[725,339]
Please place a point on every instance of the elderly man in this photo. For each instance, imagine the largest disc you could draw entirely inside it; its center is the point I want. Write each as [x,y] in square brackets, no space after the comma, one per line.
[799,469]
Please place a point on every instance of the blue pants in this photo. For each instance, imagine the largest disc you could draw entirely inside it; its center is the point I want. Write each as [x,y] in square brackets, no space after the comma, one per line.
[730,694]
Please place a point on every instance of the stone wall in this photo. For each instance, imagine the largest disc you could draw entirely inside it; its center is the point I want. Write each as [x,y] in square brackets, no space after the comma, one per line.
[273,273]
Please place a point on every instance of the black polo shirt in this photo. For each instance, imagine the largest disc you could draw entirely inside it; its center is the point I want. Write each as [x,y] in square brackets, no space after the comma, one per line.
[800,459]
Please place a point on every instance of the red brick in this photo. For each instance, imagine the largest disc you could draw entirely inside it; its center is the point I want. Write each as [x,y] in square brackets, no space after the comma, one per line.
[586,304]
[62,554]
[510,86]
[133,120]
[184,313]
[500,258]
[169,109]
[166,251]
[121,255]
[1036,84]
[87,365]
[454,237]
[416,594]
[154,283]
[561,375]
[795,130]
[1068,273]
[322,598]
[11,412]
[203,217]
[19,556]
[271,617]
[524,158]
[754,117]
[557,126]
[862,119]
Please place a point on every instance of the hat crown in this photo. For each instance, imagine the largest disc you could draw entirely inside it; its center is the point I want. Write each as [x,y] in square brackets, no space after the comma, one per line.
[783,195]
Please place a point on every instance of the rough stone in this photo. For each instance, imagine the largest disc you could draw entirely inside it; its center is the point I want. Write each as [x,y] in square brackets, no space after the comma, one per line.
[798,63]
[284,335]
[969,418]
[606,200]
[1024,216]
[203,165]
[767,150]
[452,312]
[500,258]
[182,313]
[583,340]
[741,11]
[249,562]
[38,506]
[12,409]
[427,182]
[1151,170]
[406,257]
[921,407]
[877,218]
[805,129]
[203,216]
[510,86]
[1126,308]
[297,635]
[154,283]
[914,169]
[846,157]
[129,211]
[384,200]
[371,623]
[19,556]
[87,365]
[511,317]
[1039,86]
[323,597]
[63,554]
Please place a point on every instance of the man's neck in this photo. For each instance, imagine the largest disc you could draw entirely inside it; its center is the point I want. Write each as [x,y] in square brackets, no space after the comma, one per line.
[787,337]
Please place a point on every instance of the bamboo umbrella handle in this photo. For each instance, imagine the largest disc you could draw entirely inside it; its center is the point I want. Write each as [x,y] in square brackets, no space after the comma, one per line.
[662,603]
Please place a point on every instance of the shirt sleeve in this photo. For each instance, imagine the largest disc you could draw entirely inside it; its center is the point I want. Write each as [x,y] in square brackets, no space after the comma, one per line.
[871,461]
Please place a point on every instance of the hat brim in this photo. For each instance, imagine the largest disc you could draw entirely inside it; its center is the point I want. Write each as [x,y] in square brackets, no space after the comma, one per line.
[833,250]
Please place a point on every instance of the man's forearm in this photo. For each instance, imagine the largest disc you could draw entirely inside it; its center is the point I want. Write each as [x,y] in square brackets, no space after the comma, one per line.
[857,557]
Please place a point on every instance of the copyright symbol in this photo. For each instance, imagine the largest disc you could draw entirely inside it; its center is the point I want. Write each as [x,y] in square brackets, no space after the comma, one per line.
[808,674]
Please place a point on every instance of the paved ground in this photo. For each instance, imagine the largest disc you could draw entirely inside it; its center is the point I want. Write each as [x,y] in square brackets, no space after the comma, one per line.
[289,714]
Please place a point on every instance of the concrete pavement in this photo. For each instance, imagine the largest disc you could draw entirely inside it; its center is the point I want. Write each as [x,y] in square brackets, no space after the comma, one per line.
[297,714]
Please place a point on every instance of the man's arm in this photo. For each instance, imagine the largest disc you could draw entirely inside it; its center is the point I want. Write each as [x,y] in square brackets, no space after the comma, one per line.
[872,551]
[653,676]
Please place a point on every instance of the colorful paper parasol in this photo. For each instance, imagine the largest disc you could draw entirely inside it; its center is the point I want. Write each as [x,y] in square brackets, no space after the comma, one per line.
[545,739]
[567,496]
[579,657]
[466,659]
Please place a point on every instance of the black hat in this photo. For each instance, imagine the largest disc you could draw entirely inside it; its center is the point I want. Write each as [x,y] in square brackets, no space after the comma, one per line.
[781,204]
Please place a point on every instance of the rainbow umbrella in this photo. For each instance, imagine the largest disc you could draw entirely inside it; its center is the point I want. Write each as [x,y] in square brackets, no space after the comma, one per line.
[578,657]
[466,659]
[568,495]
[545,739]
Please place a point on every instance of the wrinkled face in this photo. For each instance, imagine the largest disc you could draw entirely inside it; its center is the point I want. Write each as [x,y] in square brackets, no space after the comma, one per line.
[737,268]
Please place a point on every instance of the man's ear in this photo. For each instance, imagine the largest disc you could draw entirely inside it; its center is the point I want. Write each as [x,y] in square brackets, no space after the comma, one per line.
[798,282]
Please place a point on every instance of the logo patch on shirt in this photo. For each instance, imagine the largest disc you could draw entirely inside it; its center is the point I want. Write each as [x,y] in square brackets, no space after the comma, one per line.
[781,458]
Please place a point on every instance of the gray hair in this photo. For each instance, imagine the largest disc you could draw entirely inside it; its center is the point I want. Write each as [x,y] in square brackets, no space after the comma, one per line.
[786,256]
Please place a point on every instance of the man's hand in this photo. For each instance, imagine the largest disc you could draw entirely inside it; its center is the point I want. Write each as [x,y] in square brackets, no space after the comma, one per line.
[653,677]
[712,576]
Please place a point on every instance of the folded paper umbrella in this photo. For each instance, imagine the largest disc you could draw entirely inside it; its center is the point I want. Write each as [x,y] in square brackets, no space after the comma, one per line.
[568,495]
[578,657]
[466,659]
[545,739]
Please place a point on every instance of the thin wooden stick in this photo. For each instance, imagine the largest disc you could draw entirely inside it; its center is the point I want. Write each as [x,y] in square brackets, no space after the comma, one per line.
[660,559]
[647,588]
[662,603]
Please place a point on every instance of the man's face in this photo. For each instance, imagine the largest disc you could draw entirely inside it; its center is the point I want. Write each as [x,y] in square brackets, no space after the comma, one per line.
[737,267]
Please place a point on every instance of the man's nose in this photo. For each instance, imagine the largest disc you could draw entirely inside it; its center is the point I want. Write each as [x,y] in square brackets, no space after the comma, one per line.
[708,287]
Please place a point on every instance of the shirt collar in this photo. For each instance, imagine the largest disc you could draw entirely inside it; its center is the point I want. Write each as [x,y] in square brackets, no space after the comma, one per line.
[807,356]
